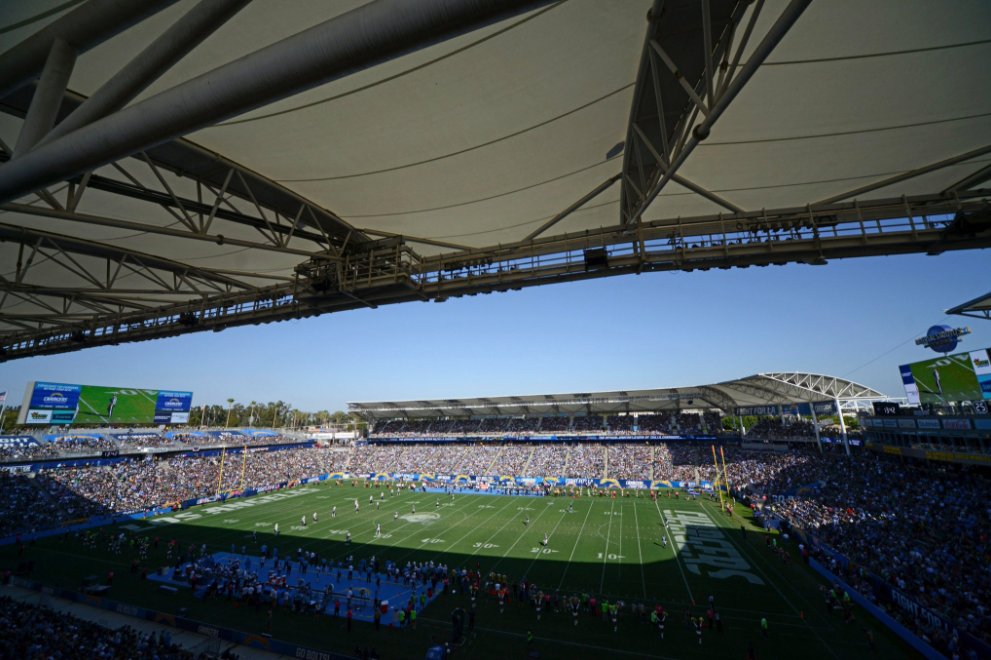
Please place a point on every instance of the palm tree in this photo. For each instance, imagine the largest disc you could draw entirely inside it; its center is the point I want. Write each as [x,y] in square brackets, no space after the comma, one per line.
[230,404]
[251,418]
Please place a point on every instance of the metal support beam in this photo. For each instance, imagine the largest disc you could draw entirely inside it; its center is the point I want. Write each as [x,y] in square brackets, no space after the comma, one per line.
[156,229]
[785,21]
[48,97]
[905,176]
[137,75]
[971,181]
[602,187]
[393,274]
[364,37]
[85,27]
[75,245]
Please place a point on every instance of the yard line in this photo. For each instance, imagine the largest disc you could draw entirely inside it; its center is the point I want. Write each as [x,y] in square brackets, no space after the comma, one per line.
[81,400]
[577,540]
[643,576]
[674,548]
[527,572]
[619,562]
[417,529]
[505,554]
[605,555]
[729,537]
[511,500]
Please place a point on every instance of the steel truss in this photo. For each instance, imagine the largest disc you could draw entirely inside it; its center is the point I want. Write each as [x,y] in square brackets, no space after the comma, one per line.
[690,71]
[390,272]
[680,93]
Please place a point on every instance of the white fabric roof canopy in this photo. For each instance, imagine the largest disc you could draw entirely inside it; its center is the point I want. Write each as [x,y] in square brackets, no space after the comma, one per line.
[757,390]
[480,139]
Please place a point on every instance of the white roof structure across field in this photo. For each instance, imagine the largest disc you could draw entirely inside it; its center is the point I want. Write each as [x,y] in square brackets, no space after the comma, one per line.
[770,389]
[176,166]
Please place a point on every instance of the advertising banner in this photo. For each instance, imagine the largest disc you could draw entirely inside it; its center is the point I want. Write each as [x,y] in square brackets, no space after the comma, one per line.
[17,441]
[757,411]
[62,403]
[958,377]
[981,360]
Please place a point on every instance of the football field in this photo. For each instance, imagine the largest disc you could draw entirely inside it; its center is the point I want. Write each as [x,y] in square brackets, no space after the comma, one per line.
[956,381]
[133,406]
[623,549]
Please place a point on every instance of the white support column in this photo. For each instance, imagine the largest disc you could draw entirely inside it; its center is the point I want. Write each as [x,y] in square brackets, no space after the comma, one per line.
[48,97]
[815,424]
[839,413]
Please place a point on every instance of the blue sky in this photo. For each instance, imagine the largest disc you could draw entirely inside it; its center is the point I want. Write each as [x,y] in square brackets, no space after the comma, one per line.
[652,330]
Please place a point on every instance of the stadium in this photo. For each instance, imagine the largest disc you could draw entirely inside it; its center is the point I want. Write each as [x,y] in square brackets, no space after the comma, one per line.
[232,205]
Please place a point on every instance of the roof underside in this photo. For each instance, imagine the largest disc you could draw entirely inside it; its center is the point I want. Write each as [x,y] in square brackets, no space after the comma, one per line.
[758,390]
[978,308]
[479,140]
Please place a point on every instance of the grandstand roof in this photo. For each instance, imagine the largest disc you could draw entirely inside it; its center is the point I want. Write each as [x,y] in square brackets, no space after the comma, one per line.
[758,390]
[464,139]
[978,308]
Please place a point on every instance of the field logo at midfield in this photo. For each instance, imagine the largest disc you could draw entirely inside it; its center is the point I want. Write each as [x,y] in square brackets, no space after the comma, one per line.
[700,545]
[425,518]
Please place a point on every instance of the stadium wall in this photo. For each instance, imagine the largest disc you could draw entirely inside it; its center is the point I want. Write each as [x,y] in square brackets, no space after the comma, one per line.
[252,640]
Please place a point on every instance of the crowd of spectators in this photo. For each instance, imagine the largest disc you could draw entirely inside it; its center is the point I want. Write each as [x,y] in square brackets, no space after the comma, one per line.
[713,421]
[32,632]
[477,459]
[630,461]
[555,424]
[492,425]
[136,440]
[586,461]
[374,458]
[41,450]
[518,425]
[409,428]
[64,494]
[428,459]
[689,423]
[656,424]
[773,427]
[621,423]
[587,423]
[921,530]
[512,459]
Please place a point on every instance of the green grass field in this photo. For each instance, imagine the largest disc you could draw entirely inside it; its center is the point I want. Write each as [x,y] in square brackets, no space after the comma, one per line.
[133,406]
[956,378]
[610,548]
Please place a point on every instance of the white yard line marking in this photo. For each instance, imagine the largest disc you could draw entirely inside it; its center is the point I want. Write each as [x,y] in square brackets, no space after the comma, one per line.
[605,554]
[674,548]
[718,523]
[643,576]
[619,562]
[81,400]
[419,547]
[577,541]
[527,572]
[520,538]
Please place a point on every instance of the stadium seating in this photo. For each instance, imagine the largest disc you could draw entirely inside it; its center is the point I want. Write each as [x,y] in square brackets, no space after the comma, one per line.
[32,631]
